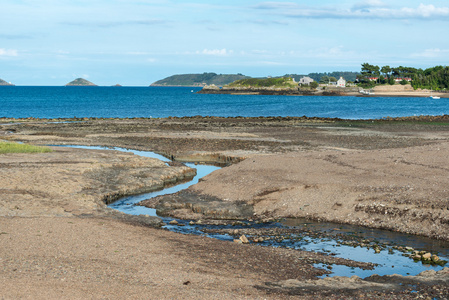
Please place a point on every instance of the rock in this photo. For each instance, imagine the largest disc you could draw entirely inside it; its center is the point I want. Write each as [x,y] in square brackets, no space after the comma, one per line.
[417,257]
[244,239]
[211,87]
[435,258]
[174,222]
[427,256]
[237,241]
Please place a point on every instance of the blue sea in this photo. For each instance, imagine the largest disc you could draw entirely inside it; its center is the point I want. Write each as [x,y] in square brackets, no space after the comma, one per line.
[159,102]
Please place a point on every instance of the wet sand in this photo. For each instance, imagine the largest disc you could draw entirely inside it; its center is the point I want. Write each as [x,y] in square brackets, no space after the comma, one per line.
[59,240]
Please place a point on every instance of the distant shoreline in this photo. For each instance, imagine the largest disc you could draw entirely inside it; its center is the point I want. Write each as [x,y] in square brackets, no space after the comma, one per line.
[321,92]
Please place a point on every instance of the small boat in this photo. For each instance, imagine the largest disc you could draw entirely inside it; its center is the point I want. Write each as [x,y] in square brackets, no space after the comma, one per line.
[367,93]
[433,97]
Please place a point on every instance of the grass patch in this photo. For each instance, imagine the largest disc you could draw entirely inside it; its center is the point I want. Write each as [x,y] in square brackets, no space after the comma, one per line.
[281,82]
[8,147]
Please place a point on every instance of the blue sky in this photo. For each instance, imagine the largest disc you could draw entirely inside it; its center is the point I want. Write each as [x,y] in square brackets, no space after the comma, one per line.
[136,42]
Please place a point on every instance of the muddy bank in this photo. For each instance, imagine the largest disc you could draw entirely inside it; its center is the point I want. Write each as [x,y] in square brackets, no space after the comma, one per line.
[431,283]
[188,205]
[69,181]
[402,189]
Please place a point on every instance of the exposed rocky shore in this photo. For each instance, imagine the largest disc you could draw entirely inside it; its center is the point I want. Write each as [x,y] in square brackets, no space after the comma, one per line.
[389,173]
[384,90]
[281,91]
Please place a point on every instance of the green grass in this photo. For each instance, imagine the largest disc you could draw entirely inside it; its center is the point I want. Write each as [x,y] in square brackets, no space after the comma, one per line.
[281,82]
[9,147]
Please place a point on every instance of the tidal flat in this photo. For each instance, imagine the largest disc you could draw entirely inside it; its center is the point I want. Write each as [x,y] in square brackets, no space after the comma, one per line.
[389,173]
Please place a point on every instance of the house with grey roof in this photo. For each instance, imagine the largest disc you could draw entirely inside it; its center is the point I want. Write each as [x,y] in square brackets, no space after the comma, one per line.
[305,80]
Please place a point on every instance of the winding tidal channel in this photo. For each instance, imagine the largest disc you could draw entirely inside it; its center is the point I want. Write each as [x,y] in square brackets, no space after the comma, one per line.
[389,251]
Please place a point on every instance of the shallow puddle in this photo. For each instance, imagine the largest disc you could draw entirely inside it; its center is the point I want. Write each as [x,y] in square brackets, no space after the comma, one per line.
[384,248]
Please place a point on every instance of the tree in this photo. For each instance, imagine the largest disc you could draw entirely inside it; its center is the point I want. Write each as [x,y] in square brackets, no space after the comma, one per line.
[313,84]
[332,79]
[324,79]
[386,70]
[370,70]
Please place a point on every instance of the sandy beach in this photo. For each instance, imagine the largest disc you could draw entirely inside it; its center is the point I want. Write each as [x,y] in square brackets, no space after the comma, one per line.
[59,240]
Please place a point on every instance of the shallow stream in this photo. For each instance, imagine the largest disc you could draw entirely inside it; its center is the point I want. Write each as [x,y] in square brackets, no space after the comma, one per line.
[384,248]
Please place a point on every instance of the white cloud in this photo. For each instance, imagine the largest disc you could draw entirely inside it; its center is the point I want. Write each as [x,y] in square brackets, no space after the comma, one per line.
[426,12]
[8,52]
[371,9]
[216,52]
[368,4]
[432,53]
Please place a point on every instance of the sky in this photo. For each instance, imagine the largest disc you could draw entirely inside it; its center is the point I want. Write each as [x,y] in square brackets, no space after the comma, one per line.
[137,42]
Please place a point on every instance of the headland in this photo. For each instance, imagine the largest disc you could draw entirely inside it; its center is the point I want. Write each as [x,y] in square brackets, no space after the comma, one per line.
[378,91]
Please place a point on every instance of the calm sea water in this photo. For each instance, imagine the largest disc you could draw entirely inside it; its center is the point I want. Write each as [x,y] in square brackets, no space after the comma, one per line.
[157,102]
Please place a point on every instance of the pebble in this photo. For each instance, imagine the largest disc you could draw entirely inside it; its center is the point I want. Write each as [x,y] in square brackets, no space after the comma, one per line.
[244,239]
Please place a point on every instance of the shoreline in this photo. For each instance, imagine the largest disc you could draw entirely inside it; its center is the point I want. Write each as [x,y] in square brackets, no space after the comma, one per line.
[379,91]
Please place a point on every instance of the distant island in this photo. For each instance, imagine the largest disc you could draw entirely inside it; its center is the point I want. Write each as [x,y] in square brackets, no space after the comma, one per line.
[199,79]
[4,83]
[80,82]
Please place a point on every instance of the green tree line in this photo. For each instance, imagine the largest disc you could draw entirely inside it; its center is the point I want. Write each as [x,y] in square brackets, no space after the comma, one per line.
[436,78]
[265,82]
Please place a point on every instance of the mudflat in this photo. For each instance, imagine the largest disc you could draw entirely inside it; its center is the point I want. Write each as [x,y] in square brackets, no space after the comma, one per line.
[59,240]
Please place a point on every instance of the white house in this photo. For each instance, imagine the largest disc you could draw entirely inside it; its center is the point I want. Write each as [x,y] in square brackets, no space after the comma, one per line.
[341,82]
[305,80]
